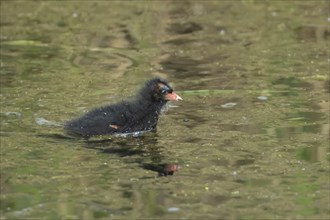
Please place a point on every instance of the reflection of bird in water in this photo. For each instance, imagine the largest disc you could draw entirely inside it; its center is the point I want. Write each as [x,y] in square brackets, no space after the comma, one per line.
[162,169]
[143,150]
[138,115]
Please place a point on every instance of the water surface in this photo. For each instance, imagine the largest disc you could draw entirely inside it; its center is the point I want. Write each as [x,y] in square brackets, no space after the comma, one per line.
[249,141]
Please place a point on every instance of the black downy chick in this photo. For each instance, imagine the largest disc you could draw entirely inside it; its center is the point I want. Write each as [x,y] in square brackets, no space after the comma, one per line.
[140,114]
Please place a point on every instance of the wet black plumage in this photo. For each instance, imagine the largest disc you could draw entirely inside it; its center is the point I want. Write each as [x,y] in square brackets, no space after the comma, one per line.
[140,114]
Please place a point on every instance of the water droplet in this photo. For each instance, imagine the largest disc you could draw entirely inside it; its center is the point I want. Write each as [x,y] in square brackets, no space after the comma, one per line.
[42,121]
[235,192]
[12,114]
[262,98]
[173,209]
[229,105]
[222,32]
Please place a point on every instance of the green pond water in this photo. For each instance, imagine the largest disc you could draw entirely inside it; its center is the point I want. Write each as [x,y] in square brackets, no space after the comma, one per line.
[250,140]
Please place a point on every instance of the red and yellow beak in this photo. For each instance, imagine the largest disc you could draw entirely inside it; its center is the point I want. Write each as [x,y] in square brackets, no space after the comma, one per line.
[172,97]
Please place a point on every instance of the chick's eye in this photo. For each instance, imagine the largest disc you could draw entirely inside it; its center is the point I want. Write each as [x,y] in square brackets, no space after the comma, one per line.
[164,91]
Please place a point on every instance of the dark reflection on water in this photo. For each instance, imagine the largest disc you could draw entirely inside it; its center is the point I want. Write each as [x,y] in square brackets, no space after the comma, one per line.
[120,37]
[104,61]
[316,33]
[184,28]
[162,169]
[30,56]
[179,41]
[307,116]
[183,67]
[143,150]
[192,120]
[244,162]
[287,132]
[292,82]
[311,154]
[250,129]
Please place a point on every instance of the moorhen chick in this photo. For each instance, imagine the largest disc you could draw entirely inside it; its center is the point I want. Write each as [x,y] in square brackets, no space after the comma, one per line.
[140,114]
